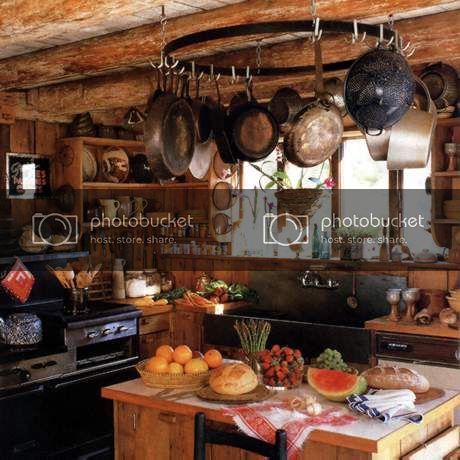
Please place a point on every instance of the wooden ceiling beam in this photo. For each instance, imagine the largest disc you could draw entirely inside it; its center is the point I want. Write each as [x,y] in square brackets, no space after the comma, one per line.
[137,45]
[437,37]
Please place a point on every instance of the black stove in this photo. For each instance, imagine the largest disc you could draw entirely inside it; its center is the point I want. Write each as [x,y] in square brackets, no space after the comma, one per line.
[54,387]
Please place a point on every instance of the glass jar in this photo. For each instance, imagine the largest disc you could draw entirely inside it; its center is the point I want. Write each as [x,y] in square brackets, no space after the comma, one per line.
[152,281]
[135,283]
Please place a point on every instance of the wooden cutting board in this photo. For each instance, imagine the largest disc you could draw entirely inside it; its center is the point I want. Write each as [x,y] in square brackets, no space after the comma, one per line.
[260,393]
[430,395]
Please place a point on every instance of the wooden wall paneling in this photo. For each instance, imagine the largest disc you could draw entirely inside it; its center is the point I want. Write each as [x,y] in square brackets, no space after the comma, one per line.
[5,204]
[453,279]
[429,279]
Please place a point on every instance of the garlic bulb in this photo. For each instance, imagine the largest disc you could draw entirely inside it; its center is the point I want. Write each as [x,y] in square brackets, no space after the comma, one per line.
[314,409]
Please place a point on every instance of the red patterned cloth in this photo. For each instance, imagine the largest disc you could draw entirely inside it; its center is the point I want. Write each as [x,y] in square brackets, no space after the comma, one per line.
[262,420]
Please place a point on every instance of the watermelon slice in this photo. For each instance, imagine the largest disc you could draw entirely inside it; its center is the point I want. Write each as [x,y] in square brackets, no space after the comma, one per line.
[335,385]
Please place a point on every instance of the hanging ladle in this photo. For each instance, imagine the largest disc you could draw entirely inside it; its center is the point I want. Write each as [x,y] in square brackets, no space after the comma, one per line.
[352,300]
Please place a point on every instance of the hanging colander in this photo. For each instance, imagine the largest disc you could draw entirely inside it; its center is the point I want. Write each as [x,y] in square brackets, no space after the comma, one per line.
[379,89]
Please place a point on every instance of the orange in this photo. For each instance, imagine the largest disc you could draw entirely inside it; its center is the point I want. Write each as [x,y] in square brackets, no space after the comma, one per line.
[157,364]
[175,368]
[182,354]
[166,351]
[213,358]
[196,366]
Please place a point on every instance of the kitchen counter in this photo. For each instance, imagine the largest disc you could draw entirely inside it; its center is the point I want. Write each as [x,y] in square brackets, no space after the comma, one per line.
[435,329]
[364,438]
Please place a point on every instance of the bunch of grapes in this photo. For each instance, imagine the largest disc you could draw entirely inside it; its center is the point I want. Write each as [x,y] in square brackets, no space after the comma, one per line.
[331,359]
[282,367]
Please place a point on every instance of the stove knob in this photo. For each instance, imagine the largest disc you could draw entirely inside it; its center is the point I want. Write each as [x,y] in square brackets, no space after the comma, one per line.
[37,366]
[92,335]
[122,328]
[50,363]
[106,332]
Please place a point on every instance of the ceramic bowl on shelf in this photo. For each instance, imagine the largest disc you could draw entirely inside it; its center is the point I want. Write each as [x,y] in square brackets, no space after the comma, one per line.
[454,303]
[115,165]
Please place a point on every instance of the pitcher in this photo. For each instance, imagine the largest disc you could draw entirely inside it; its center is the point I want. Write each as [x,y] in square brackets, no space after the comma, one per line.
[139,205]
[109,207]
[126,206]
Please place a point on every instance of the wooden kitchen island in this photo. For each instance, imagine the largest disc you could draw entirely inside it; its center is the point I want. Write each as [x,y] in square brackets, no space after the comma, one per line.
[149,427]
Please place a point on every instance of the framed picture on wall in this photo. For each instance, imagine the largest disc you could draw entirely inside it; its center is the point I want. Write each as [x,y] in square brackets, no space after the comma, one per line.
[28,176]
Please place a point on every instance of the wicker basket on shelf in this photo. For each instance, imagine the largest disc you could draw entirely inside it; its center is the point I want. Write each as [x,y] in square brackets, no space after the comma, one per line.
[302,201]
[184,381]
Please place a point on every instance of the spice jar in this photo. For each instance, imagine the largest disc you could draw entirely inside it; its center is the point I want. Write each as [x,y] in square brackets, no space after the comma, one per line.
[152,281]
[136,284]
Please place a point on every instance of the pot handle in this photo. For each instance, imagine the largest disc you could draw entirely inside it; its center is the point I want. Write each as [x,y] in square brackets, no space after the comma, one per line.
[2,330]
[319,82]
[420,84]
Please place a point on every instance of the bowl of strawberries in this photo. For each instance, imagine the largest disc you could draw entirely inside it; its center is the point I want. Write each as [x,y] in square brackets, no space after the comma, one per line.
[281,367]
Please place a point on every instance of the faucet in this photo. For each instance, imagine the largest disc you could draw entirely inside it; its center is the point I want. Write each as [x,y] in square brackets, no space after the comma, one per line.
[312,279]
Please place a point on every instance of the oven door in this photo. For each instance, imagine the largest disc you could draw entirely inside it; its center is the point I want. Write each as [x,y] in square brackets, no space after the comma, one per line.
[83,420]
[23,427]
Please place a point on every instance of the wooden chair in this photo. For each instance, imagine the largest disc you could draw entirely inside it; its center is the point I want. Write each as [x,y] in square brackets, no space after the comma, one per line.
[205,435]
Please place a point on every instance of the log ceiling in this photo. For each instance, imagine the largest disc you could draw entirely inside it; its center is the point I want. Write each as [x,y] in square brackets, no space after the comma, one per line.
[108,72]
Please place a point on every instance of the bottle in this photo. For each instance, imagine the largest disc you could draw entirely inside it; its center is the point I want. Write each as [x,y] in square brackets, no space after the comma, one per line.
[325,251]
[316,243]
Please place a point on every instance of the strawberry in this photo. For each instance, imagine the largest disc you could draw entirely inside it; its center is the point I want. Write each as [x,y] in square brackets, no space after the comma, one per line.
[270,372]
[289,358]
[297,354]
[276,348]
[265,365]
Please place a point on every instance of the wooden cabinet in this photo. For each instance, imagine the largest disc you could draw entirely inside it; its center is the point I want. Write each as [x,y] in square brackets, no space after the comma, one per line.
[140,431]
[154,330]
[188,329]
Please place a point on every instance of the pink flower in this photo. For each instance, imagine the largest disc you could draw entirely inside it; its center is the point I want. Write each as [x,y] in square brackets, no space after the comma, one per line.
[329,183]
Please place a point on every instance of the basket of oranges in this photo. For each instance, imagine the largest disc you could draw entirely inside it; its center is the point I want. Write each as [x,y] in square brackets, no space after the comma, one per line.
[178,367]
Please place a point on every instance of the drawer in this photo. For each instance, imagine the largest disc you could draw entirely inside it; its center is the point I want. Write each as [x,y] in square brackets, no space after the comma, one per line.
[154,323]
[418,348]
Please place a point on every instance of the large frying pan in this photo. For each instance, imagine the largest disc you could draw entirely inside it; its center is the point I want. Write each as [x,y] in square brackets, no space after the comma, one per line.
[317,129]
[169,135]
[253,130]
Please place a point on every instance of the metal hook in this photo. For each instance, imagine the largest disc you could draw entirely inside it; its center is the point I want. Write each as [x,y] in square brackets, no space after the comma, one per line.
[381,40]
[317,33]
[235,77]
[192,75]
[153,64]
[355,34]
[200,76]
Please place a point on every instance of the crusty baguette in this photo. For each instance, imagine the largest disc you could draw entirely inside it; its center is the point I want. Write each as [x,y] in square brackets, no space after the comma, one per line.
[233,379]
[395,378]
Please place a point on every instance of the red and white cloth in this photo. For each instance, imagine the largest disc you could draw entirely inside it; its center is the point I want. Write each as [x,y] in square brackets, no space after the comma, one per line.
[261,421]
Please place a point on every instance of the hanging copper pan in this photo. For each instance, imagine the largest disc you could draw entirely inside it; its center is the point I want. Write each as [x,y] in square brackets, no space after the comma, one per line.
[317,129]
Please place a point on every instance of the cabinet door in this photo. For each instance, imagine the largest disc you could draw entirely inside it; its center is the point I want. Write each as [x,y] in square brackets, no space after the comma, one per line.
[148,343]
[188,329]
[149,434]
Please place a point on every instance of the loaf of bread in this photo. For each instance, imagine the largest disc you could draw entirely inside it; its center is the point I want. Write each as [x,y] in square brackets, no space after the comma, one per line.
[233,379]
[396,378]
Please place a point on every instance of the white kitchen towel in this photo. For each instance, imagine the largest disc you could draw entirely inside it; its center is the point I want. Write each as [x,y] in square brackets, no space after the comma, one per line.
[386,405]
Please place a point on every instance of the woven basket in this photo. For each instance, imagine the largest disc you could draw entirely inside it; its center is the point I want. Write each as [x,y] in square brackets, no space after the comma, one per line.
[171,381]
[303,201]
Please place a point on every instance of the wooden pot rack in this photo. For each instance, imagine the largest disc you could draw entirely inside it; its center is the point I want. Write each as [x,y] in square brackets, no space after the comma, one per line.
[315,28]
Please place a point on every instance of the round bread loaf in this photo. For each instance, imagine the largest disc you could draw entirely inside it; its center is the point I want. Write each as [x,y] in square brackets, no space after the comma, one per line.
[233,379]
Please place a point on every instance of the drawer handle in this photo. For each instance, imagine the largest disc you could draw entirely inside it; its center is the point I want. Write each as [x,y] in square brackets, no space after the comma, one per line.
[167,417]
[396,346]
[457,354]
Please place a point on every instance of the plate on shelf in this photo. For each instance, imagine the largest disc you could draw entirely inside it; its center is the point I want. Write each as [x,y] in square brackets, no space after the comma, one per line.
[115,165]
[89,165]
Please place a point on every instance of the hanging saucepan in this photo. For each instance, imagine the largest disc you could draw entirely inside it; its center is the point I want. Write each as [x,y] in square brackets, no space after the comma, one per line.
[411,138]
[378,145]
[221,169]
[379,89]
[219,127]
[169,135]
[223,196]
[441,81]
[317,129]
[285,105]
[333,89]
[221,224]
[253,129]
[201,114]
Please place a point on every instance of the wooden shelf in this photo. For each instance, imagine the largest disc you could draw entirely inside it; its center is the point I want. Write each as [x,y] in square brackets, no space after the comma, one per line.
[149,186]
[273,263]
[27,258]
[104,142]
[447,174]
